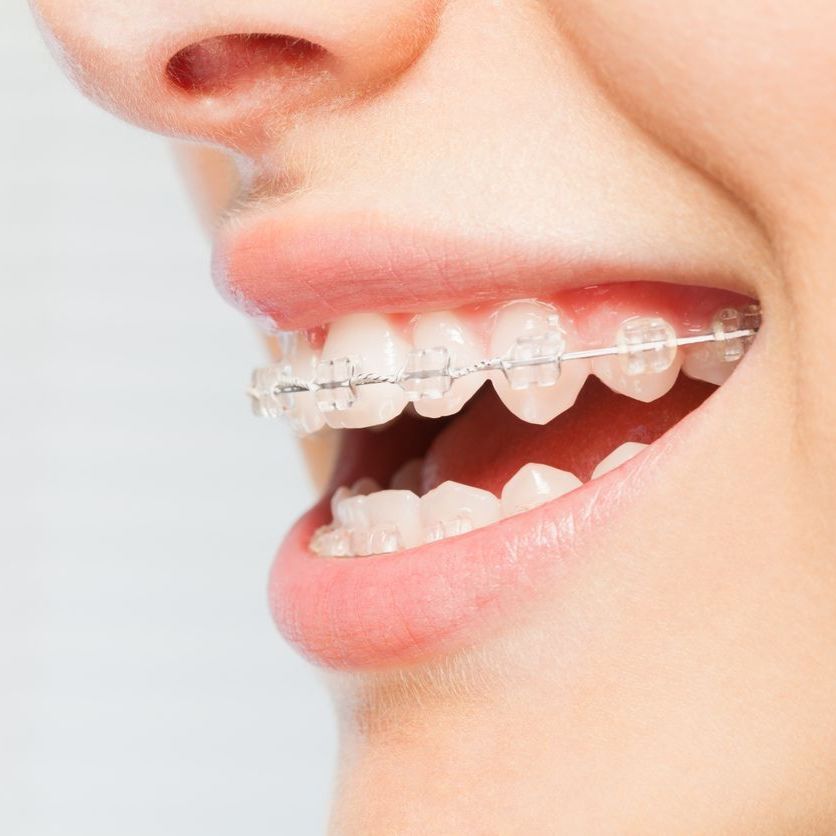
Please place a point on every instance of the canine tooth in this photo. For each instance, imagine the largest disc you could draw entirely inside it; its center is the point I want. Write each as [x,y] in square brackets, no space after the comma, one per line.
[396,511]
[517,324]
[453,508]
[533,485]
[618,456]
[639,372]
[375,345]
[408,477]
[447,330]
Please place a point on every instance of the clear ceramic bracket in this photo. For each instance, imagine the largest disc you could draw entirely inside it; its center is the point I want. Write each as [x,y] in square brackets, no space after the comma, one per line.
[643,345]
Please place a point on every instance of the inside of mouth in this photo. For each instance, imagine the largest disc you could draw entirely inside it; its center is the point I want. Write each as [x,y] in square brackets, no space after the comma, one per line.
[431,473]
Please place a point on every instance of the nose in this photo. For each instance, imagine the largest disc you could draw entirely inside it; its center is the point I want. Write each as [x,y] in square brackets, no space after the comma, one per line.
[231,71]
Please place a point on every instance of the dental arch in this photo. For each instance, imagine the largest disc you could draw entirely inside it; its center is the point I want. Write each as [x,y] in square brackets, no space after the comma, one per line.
[642,345]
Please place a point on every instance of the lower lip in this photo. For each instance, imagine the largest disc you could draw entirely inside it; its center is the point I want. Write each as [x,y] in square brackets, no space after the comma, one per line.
[376,612]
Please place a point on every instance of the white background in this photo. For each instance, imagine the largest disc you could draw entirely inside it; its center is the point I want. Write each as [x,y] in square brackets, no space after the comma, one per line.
[144,689]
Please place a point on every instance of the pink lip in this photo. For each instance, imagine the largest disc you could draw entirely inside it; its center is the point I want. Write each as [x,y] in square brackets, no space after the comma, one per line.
[366,613]
[303,272]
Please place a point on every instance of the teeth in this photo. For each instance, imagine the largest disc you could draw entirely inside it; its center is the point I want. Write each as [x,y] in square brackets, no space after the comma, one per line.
[377,523]
[366,485]
[408,476]
[536,393]
[398,511]
[300,408]
[446,330]
[618,457]
[452,509]
[533,485]
[383,350]
[703,362]
[639,373]
[387,521]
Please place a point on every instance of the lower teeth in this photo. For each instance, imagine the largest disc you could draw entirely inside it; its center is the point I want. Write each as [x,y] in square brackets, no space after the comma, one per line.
[369,521]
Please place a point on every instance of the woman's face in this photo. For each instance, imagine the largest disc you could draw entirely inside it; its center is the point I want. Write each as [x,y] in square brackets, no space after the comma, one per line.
[656,650]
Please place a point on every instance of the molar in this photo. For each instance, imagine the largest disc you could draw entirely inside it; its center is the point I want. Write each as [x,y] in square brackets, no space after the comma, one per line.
[524,327]
[618,457]
[453,508]
[373,340]
[447,330]
[533,485]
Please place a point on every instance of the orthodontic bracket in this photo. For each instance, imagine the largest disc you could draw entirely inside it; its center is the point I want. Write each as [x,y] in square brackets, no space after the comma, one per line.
[531,361]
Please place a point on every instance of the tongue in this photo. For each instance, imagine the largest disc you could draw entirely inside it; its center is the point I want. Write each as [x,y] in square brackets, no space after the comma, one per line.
[486,445]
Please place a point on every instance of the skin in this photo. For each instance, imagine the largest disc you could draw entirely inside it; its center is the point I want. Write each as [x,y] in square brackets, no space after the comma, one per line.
[682,678]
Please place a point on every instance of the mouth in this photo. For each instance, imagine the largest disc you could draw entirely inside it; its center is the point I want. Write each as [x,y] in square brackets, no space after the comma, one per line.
[478,445]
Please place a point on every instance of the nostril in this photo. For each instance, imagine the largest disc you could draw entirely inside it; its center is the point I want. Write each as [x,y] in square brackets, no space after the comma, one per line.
[222,64]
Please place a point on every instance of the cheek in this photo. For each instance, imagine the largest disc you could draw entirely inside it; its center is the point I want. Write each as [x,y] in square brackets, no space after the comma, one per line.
[744,95]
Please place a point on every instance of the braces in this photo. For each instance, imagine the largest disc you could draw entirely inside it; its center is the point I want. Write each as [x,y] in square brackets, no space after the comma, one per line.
[645,344]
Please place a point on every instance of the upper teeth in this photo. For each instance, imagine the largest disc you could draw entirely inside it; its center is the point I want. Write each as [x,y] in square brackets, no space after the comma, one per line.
[367,520]
[368,372]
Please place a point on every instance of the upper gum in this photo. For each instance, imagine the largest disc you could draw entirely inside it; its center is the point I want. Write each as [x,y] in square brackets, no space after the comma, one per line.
[591,314]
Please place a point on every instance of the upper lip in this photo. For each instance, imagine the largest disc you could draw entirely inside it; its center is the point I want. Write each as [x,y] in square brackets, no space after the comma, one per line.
[302,271]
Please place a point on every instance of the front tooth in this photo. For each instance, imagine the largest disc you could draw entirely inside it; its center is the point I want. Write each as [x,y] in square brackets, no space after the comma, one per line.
[379,348]
[643,375]
[517,323]
[447,330]
[452,508]
[533,485]
[301,361]
[618,457]
[332,542]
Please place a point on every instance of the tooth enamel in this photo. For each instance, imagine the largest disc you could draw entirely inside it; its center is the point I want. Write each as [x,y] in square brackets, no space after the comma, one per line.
[516,326]
[703,362]
[447,330]
[396,511]
[618,457]
[352,512]
[332,542]
[533,485]
[640,373]
[408,477]
[452,509]
[340,495]
[301,361]
[373,342]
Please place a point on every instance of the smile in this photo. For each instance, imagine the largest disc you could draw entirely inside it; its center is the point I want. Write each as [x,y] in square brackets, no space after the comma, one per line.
[537,356]
[485,427]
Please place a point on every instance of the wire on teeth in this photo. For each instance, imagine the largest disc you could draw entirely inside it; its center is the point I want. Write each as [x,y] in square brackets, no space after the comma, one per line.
[644,345]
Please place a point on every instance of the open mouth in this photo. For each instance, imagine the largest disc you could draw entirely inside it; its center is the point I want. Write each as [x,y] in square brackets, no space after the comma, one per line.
[453,421]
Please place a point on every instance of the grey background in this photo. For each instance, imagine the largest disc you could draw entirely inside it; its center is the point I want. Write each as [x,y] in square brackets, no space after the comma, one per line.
[144,688]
